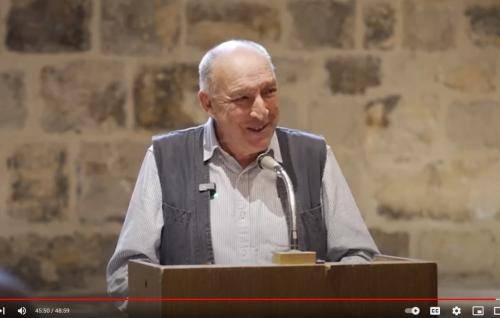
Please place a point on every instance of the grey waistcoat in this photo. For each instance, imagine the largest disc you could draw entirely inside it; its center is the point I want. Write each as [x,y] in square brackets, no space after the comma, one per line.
[186,236]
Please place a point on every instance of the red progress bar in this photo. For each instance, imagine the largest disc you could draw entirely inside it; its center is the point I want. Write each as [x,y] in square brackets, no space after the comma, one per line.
[231,299]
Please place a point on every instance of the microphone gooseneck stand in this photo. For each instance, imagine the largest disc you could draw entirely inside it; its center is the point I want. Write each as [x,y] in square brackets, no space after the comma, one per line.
[294,255]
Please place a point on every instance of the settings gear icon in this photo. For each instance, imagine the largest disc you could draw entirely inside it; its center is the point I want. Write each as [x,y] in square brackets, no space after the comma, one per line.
[456,311]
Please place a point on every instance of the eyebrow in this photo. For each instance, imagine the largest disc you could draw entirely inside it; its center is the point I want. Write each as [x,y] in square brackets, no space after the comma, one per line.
[245,90]
[270,83]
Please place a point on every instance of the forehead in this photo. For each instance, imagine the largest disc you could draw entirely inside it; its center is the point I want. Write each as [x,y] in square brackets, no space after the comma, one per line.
[242,67]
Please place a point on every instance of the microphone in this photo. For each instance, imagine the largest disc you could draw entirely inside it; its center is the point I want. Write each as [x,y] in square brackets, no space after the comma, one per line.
[266,161]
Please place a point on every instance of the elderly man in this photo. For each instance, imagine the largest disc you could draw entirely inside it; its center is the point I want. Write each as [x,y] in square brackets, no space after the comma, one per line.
[201,198]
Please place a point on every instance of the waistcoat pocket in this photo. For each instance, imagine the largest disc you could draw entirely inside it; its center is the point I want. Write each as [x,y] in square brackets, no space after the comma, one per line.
[314,230]
[176,239]
[313,216]
[175,215]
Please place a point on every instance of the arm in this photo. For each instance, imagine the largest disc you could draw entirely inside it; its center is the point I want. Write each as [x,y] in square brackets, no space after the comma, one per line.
[348,237]
[141,232]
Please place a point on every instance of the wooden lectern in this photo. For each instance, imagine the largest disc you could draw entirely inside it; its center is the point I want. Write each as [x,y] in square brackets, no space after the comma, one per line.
[385,277]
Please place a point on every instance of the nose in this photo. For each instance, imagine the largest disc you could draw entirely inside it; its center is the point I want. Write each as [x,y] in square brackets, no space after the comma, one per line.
[259,110]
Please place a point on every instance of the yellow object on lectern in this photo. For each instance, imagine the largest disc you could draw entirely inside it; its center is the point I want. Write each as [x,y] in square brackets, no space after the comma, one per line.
[293,257]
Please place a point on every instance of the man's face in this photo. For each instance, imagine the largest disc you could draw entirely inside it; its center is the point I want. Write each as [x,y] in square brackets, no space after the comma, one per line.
[243,102]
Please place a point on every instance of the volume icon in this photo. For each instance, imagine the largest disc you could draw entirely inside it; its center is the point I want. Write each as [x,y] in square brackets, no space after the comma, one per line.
[22,311]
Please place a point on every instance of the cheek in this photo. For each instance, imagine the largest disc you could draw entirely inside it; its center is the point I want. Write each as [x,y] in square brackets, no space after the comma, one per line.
[273,107]
[237,115]
[226,114]
[233,121]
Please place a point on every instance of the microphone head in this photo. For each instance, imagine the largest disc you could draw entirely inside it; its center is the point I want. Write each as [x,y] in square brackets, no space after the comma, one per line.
[266,161]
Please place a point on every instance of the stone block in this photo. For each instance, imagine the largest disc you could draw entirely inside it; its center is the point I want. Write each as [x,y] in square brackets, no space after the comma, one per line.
[474,125]
[48,26]
[379,20]
[400,132]
[470,76]
[458,252]
[391,243]
[38,183]
[83,95]
[353,75]
[428,25]
[484,24]
[12,107]
[106,174]
[160,96]
[484,188]
[62,262]
[212,21]
[459,189]
[435,191]
[341,122]
[291,71]
[139,27]
[321,23]
[414,73]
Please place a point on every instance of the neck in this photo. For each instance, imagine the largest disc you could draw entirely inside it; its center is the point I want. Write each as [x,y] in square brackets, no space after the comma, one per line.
[243,160]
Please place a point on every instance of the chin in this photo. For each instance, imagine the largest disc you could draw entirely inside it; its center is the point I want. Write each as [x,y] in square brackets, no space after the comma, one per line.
[258,145]
[261,146]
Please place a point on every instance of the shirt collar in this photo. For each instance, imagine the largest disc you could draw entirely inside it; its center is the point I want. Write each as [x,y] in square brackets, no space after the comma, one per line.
[210,142]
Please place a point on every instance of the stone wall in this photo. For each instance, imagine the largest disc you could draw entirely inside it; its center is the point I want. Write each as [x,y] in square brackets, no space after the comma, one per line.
[407,92]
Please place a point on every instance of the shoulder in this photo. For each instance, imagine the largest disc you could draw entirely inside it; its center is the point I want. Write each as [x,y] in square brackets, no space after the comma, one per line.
[177,134]
[302,146]
[296,135]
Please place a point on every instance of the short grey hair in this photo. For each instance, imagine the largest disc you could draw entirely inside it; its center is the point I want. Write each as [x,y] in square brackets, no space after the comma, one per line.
[205,66]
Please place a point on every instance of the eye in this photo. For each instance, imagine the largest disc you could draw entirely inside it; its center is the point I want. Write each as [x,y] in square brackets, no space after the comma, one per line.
[270,92]
[240,99]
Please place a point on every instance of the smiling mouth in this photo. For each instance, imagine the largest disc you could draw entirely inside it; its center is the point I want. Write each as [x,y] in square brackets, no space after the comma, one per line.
[257,129]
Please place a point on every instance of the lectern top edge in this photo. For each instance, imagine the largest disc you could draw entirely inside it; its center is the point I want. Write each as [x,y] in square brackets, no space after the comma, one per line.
[378,260]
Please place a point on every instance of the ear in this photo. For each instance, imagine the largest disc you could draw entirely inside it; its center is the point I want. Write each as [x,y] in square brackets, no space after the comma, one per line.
[205,102]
